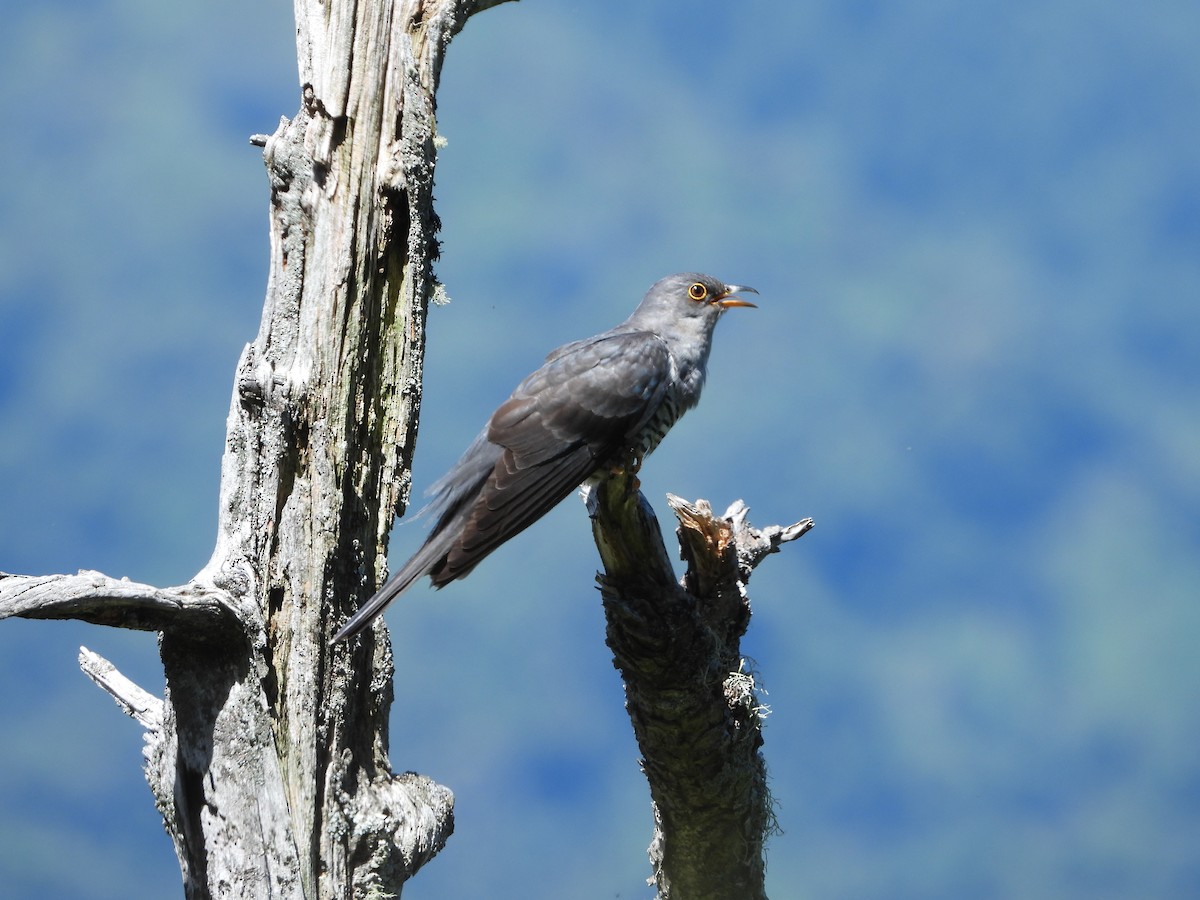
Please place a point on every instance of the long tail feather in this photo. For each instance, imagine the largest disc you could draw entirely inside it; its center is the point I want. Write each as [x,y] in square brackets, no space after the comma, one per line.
[424,560]
[452,500]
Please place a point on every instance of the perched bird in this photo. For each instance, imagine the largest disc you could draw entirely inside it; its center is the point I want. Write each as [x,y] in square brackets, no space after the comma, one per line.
[594,405]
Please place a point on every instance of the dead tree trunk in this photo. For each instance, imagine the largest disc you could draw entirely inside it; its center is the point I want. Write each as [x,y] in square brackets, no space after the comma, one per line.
[268,755]
[690,695]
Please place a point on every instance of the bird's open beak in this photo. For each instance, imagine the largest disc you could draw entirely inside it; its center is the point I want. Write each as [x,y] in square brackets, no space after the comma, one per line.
[727,300]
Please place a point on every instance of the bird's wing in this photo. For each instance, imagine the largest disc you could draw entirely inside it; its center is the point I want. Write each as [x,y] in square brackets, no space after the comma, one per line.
[563,422]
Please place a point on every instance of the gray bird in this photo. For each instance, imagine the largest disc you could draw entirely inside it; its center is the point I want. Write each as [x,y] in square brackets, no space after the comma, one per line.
[594,405]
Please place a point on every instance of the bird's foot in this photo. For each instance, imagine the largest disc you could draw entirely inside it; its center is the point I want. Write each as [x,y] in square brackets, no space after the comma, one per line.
[630,462]
[628,468]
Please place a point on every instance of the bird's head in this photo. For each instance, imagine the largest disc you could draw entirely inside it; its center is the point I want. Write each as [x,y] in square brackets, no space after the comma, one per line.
[689,296]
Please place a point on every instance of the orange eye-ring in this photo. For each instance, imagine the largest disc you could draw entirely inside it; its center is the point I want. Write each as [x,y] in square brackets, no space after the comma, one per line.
[697,291]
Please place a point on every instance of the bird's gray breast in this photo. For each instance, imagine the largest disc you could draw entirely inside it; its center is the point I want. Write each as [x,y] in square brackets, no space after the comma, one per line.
[660,423]
[682,394]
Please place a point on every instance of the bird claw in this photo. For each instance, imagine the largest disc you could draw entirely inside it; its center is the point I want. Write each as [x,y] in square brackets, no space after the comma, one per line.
[628,467]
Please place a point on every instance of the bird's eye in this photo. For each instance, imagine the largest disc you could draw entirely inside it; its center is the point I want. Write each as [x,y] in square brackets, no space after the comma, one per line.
[697,291]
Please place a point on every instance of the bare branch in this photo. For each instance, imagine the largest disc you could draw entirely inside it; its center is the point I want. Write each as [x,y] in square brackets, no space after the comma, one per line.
[97,598]
[136,702]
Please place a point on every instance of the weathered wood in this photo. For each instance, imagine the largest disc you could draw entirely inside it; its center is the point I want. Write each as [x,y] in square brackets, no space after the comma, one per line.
[689,693]
[268,756]
[97,598]
[136,703]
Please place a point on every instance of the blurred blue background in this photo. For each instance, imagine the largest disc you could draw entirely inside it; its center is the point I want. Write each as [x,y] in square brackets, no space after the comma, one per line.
[976,232]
